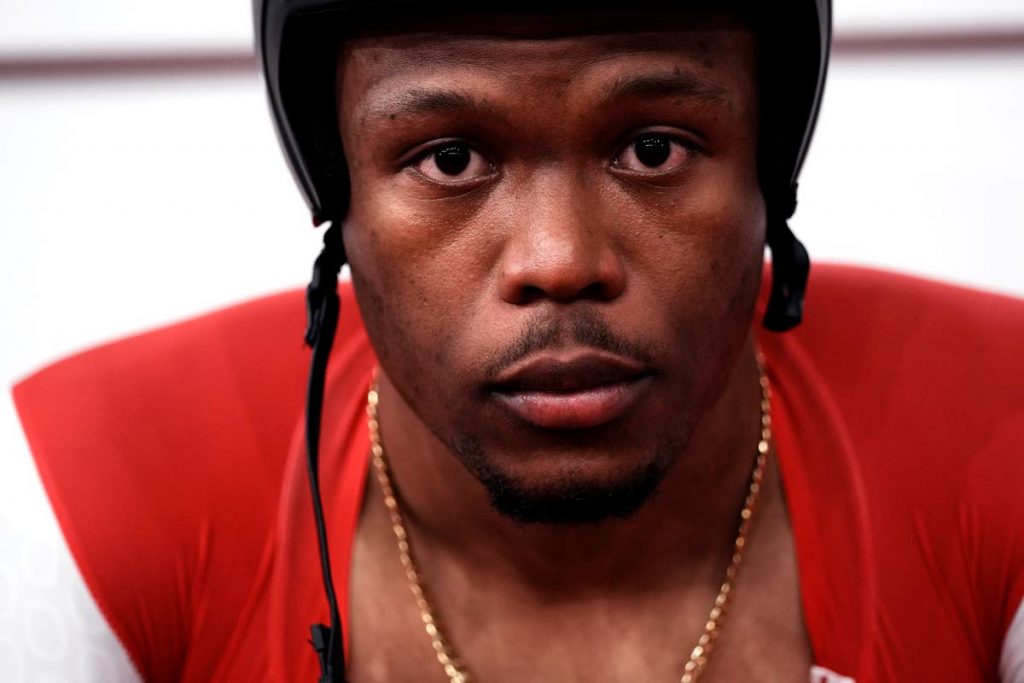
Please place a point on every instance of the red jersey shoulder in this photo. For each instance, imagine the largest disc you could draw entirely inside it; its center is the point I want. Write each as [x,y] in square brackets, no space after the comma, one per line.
[929,380]
[174,389]
[162,455]
[929,377]
[895,349]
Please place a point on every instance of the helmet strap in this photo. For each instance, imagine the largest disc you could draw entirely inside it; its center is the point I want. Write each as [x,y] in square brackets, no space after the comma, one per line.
[322,309]
[791,266]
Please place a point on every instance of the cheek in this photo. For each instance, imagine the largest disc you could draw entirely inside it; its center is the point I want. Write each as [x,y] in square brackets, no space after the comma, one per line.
[427,258]
[697,258]
[703,247]
[397,290]
[734,256]
[730,279]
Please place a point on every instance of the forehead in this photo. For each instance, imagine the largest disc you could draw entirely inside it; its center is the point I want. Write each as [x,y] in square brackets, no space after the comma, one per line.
[713,52]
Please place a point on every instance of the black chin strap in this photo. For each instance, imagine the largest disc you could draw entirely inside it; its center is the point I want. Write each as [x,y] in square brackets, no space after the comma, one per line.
[791,265]
[322,309]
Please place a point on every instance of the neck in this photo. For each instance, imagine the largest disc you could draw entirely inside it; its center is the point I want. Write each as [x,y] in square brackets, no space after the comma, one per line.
[689,525]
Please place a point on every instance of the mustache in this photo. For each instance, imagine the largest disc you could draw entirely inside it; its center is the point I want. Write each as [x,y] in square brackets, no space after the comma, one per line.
[580,326]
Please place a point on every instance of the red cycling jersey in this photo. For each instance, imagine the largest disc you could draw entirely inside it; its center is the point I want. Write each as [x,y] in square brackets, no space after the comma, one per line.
[174,462]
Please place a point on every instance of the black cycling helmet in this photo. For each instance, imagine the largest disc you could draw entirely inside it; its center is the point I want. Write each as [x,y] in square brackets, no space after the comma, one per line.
[297,40]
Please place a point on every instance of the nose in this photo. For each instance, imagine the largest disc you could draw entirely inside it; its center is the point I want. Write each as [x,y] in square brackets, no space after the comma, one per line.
[560,247]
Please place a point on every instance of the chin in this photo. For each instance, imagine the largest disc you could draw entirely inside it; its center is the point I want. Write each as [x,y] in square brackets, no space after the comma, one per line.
[568,488]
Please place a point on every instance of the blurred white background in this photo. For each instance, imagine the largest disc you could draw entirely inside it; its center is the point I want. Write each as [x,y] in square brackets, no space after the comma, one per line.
[135,195]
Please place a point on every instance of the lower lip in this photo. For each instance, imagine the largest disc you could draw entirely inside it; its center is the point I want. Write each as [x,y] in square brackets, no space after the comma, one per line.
[577,409]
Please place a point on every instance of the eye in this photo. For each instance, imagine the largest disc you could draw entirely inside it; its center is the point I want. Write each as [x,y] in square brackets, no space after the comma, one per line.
[652,153]
[452,162]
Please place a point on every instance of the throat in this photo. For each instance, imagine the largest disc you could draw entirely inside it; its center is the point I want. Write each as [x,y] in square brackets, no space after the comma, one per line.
[635,618]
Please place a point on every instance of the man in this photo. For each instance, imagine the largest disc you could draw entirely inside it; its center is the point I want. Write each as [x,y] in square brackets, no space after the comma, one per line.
[560,451]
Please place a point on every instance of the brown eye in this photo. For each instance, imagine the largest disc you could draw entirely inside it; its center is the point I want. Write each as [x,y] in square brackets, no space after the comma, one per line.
[453,162]
[652,153]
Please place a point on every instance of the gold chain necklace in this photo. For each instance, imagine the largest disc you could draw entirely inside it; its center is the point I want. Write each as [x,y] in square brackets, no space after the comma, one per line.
[443,650]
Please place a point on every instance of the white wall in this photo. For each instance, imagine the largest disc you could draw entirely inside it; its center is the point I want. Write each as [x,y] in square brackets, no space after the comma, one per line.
[887,15]
[916,166]
[75,26]
[120,25]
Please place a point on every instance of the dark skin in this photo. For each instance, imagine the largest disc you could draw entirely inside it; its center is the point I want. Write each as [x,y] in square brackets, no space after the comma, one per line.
[558,212]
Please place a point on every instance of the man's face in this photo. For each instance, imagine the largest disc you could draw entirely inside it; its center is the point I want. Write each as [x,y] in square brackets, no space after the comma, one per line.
[556,235]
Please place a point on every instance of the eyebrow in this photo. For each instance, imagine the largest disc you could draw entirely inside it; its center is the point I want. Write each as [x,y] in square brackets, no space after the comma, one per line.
[666,85]
[419,101]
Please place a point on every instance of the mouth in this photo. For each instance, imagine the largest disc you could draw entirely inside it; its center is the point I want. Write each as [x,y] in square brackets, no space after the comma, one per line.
[571,389]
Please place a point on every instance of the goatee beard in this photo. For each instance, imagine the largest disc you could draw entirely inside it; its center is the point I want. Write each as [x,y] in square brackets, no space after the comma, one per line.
[571,498]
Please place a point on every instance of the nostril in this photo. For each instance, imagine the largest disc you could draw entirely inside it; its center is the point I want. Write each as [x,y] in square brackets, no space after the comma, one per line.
[597,291]
[530,294]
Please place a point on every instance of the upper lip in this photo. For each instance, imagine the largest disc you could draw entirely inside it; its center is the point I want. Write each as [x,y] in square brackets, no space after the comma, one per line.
[568,371]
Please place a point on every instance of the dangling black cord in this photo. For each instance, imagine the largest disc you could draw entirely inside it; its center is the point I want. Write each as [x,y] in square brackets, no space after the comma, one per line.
[791,265]
[322,309]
